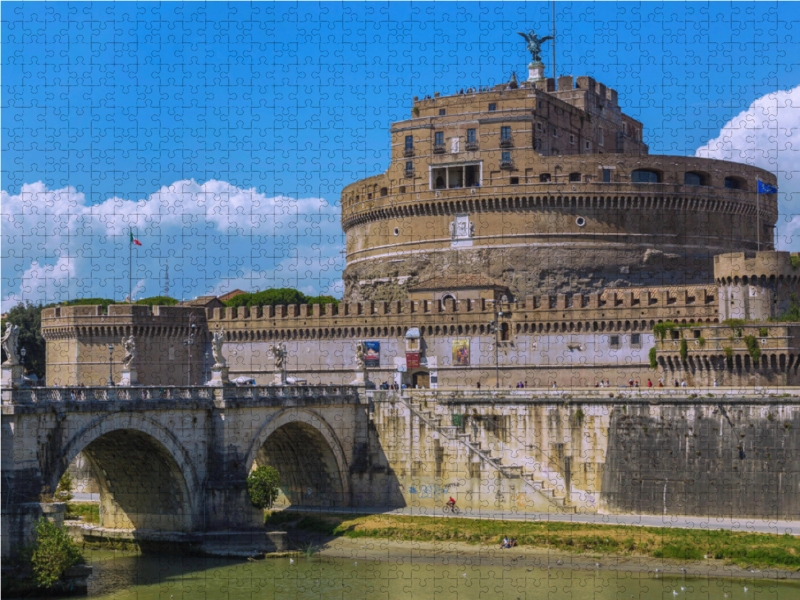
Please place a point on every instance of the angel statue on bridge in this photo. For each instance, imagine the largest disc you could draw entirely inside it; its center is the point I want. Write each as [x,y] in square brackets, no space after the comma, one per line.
[361,356]
[9,342]
[129,345]
[278,352]
[535,44]
[216,349]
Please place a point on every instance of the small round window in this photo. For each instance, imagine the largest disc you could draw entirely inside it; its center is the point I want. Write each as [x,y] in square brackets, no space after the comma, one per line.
[580,221]
[396,231]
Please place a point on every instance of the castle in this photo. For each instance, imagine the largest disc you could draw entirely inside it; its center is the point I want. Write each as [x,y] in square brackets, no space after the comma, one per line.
[522,234]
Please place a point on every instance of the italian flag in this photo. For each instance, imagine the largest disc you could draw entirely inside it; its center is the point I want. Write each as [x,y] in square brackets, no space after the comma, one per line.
[134,240]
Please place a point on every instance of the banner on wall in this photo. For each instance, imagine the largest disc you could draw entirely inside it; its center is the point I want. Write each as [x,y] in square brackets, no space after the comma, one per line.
[373,357]
[461,352]
[412,360]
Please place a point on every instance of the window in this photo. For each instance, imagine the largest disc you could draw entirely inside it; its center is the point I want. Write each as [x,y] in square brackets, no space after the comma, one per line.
[409,165]
[409,142]
[442,112]
[384,191]
[644,176]
[636,340]
[572,139]
[606,175]
[402,189]
[555,131]
[470,136]
[514,180]
[506,157]
[492,107]
[574,177]
[538,127]
[544,178]
[601,137]
[692,178]
[505,133]
[439,138]
[733,183]
[587,145]
[613,341]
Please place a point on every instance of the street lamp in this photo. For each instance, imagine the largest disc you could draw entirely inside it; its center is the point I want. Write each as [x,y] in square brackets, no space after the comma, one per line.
[189,342]
[110,363]
[205,364]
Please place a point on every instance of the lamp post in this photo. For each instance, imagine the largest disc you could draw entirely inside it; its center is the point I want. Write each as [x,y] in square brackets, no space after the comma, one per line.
[189,342]
[110,363]
[205,365]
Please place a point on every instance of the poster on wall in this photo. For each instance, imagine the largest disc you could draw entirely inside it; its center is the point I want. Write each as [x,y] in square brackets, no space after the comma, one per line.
[412,360]
[373,357]
[461,352]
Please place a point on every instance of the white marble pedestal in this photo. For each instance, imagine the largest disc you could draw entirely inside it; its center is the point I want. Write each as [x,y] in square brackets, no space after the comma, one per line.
[535,71]
[219,376]
[12,376]
[129,377]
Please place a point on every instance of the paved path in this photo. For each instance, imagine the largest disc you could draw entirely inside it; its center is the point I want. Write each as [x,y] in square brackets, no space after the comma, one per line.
[729,524]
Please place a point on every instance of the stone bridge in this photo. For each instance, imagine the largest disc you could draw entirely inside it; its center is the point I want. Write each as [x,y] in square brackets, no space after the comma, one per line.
[176,458]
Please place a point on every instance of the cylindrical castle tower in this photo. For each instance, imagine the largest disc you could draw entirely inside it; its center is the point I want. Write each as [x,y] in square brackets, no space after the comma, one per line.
[543,190]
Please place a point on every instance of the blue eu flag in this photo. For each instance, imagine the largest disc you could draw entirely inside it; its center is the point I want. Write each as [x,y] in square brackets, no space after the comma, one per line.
[765,188]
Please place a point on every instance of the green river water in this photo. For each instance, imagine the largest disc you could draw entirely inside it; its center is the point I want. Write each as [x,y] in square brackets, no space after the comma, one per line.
[148,577]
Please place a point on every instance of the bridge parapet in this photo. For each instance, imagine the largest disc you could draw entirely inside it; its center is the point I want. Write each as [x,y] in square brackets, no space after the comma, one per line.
[338,394]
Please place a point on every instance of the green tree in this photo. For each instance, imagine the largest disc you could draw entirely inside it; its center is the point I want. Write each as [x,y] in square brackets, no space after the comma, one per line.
[158,301]
[267,298]
[52,553]
[653,358]
[28,317]
[64,489]
[102,302]
[262,485]
[321,300]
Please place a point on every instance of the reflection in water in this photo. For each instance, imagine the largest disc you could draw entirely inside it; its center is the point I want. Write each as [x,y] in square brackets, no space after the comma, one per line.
[148,577]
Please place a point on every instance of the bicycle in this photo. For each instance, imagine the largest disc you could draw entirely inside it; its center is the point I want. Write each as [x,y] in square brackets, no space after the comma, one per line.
[451,509]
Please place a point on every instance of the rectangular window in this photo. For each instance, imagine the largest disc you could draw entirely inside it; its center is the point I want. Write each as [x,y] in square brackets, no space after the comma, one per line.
[505,133]
[514,180]
[571,139]
[492,107]
[613,341]
[439,138]
[587,145]
[409,142]
[636,340]
[606,175]
[555,131]
[601,136]
[538,127]
[470,135]
[442,112]
[409,165]
[506,157]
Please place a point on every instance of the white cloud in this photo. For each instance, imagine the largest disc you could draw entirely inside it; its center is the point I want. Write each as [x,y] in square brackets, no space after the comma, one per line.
[215,235]
[767,135]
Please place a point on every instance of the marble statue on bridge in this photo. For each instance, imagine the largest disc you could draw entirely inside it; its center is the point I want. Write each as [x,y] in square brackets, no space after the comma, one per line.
[10,340]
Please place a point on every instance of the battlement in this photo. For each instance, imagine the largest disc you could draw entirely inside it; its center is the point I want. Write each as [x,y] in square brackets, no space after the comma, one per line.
[741,267]
[640,298]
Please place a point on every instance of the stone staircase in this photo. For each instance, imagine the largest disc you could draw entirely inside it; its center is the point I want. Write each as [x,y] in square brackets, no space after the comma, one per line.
[546,488]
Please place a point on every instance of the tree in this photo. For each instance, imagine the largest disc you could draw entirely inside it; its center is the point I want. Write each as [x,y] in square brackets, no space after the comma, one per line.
[28,317]
[158,301]
[267,298]
[64,489]
[321,300]
[52,553]
[262,485]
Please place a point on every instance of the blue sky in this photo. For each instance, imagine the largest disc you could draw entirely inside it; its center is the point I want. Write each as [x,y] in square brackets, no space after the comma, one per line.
[224,133]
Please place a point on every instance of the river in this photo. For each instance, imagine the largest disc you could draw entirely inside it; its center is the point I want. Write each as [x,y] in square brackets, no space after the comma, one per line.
[121,576]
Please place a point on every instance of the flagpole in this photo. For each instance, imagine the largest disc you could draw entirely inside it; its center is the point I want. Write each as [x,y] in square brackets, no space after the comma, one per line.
[130,266]
[758,216]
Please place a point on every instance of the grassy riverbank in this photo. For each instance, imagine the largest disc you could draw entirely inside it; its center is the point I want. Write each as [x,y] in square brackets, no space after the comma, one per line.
[742,549]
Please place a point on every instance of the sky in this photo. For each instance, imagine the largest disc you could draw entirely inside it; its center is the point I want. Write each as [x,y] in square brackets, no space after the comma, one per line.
[222,134]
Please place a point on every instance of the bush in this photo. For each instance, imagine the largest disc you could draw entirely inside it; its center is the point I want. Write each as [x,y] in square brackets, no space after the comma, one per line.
[684,350]
[64,489]
[52,553]
[794,260]
[262,485]
[753,348]
[763,332]
[267,298]
[653,358]
[728,352]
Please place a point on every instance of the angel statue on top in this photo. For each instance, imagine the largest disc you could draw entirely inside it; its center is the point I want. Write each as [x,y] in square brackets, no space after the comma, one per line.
[534,43]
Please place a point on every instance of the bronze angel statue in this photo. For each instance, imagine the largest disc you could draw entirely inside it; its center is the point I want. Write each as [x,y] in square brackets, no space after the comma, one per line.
[535,44]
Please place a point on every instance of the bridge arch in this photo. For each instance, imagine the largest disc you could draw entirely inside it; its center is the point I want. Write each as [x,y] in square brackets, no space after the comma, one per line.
[306,451]
[146,477]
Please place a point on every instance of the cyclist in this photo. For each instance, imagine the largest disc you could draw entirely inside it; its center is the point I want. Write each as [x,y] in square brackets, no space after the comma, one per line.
[451,503]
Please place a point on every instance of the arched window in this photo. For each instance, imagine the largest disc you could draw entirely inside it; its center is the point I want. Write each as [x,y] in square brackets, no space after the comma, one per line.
[645,176]
[694,178]
[504,332]
[575,177]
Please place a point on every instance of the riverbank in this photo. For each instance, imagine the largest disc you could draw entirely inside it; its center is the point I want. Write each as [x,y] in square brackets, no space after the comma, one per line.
[575,545]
